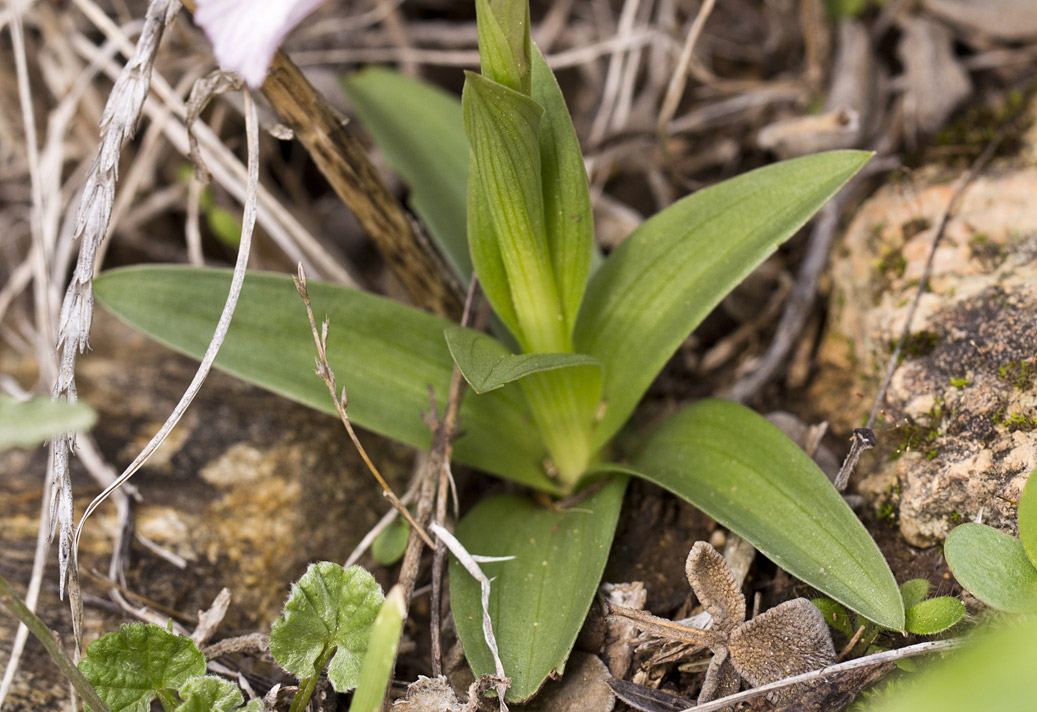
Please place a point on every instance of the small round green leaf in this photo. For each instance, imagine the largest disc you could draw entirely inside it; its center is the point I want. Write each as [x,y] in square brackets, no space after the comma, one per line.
[835,615]
[388,547]
[138,662]
[934,615]
[209,694]
[993,567]
[329,607]
[1028,519]
[914,592]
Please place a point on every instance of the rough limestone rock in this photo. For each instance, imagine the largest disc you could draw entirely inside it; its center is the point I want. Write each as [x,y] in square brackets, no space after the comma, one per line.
[960,431]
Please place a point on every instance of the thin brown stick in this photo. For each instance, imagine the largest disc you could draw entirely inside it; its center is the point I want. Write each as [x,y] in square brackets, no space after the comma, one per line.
[328,376]
[853,641]
[663,627]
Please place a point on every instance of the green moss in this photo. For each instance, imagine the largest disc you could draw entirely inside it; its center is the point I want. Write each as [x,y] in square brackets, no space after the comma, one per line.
[893,263]
[923,435]
[959,382]
[1018,374]
[917,345]
[914,226]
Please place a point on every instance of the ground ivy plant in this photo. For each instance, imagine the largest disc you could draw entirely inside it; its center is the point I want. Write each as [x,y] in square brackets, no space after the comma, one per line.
[500,183]
[335,618]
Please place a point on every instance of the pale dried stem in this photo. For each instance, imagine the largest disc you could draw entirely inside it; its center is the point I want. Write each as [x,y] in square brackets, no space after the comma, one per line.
[680,74]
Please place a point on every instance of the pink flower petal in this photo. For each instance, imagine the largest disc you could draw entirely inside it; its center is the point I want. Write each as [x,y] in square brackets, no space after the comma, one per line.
[246,33]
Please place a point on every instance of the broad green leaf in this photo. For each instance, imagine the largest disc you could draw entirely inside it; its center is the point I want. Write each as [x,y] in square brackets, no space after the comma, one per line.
[539,599]
[503,27]
[1028,518]
[487,364]
[744,473]
[214,694]
[381,654]
[138,662]
[666,277]
[503,128]
[934,615]
[913,592]
[993,567]
[995,672]
[568,217]
[389,546]
[29,423]
[384,354]
[835,615]
[419,128]
[329,608]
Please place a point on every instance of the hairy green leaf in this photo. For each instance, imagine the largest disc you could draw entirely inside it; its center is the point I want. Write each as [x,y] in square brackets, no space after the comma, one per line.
[568,217]
[487,365]
[329,608]
[1028,518]
[214,694]
[538,600]
[914,592]
[384,354]
[28,423]
[666,277]
[835,615]
[138,662]
[381,654]
[420,130]
[743,472]
[503,128]
[934,615]
[993,567]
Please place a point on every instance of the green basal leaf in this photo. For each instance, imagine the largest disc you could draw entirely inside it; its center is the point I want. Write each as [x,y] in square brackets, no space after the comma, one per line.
[994,673]
[329,608]
[29,423]
[503,128]
[503,27]
[666,277]
[388,547]
[743,472]
[1028,518]
[384,354]
[214,694]
[913,592]
[420,130]
[835,615]
[381,654]
[487,364]
[934,615]
[568,216]
[993,567]
[538,600]
[485,252]
[139,662]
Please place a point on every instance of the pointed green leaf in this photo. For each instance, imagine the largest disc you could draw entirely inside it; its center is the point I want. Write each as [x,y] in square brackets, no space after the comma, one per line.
[211,694]
[835,615]
[913,592]
[503,129]
[568,217]
[28,423]
[389,546]
[329,608]
[504,42]
[993,567]
[384,354]
[487,365]
[666,277]
[743,472]
[1028,518]
[429,153]
[538,600]
[934,615]
[138,662]
[381,654]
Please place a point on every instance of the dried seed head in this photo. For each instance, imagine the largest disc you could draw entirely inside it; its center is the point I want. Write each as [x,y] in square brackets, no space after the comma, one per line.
[715,586]
[789,639]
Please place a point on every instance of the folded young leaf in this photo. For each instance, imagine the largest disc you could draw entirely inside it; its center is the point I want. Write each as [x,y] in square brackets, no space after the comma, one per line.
[568,217]
[539,599]
[487,365]
[419,128]
[666,277]
[743,472]
[993,567]
[139,662]
[385,355]
[503,27]
[381,654]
